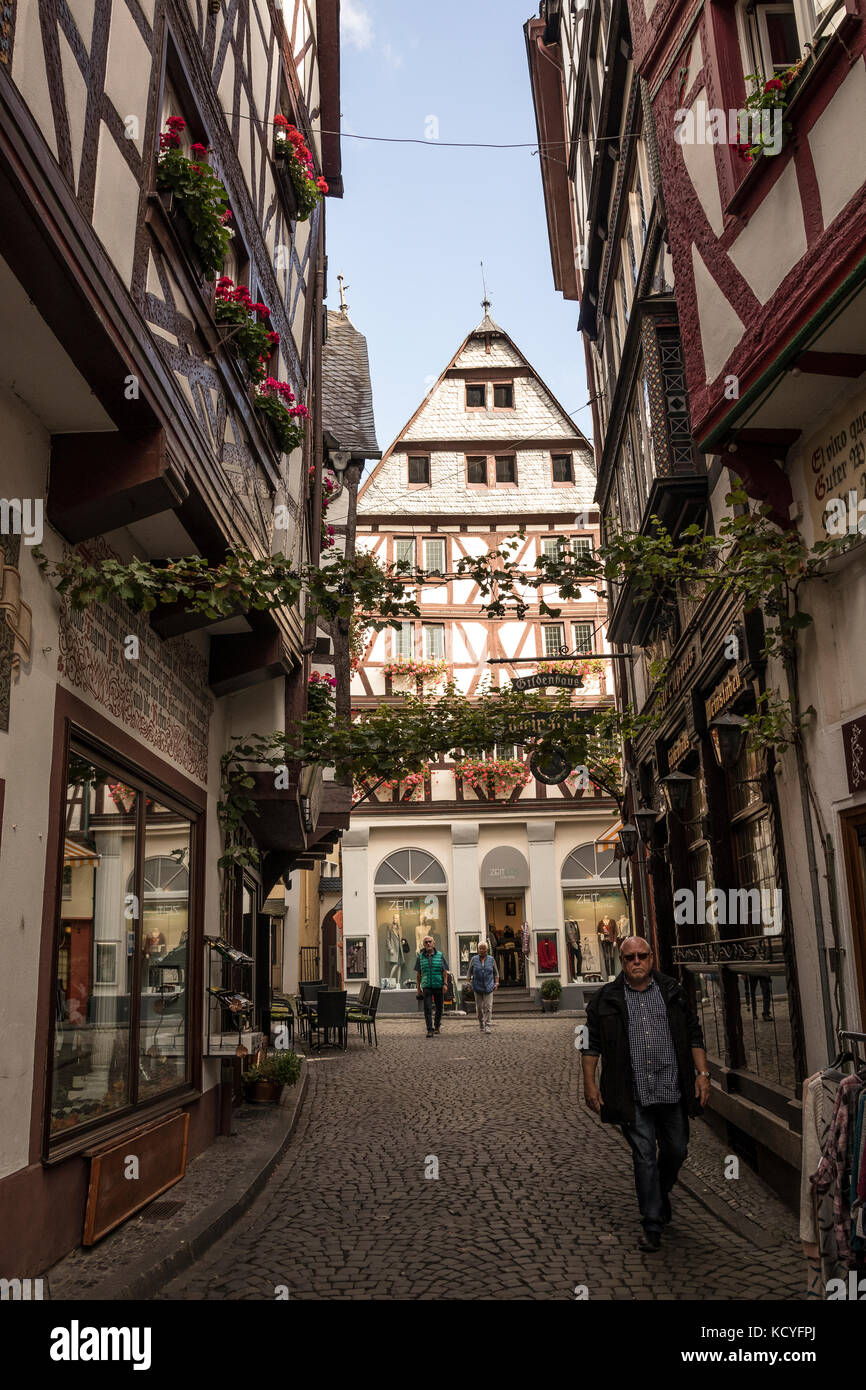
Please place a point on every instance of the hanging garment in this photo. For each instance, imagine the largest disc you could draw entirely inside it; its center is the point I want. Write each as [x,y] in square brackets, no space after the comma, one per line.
[858,1237]
[546,954]
[526,940]
[834,1170]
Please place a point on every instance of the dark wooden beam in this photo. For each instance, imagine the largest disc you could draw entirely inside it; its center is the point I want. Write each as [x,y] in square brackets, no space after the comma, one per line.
[250,658]
[778,439]
[851,364]
[756,465]
[99,482]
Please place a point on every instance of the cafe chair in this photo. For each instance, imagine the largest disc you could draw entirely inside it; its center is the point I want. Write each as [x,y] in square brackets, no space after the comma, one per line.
[365,1015]
[330,1016]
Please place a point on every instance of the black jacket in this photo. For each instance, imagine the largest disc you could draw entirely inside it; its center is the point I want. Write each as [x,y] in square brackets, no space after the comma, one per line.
[607,1020]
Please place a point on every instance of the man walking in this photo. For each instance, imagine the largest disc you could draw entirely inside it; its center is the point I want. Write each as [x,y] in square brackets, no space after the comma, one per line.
[483,980]
[651,1048]
[431,967]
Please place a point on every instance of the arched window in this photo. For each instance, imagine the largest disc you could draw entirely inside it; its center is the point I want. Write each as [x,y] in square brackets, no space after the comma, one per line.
[589,861]
[164,876]
[406,868]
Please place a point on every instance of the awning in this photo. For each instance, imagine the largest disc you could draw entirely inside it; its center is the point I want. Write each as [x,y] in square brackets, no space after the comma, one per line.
[78,854]
[609,839]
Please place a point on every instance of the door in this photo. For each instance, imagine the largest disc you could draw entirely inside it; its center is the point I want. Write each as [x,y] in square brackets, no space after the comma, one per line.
[505,915]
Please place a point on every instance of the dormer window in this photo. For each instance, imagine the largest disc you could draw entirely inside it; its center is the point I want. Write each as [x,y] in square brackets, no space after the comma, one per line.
[503,396]
[476,396]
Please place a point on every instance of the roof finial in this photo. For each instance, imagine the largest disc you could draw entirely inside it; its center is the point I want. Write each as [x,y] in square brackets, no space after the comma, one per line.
[485,303]
[344,308]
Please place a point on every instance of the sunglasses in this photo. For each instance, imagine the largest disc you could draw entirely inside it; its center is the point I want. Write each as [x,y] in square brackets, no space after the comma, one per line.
[638,955]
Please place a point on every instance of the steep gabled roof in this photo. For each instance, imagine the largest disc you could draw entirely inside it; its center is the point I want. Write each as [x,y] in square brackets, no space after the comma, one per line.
[571,435]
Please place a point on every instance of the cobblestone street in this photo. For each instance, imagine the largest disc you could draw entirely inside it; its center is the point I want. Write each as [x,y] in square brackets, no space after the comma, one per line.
[534,1196]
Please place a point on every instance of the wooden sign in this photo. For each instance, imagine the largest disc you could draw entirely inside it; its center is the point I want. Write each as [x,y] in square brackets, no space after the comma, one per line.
[854,740]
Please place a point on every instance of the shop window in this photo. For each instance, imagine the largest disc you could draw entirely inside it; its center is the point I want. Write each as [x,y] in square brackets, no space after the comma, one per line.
[563,468]
[503,397]
[419,471]
[546,953]
[765,1017]
[467,947]
[506,470]
[122,936]
[588,916]
[476,396]
[709,1009]
[476,471]
[411,903]
[356,957]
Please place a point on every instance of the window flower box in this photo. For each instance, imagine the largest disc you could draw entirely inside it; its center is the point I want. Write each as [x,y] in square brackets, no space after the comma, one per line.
[195,199]
[275,402]
[432,669]
[493,777]
[302,190]
[244,326]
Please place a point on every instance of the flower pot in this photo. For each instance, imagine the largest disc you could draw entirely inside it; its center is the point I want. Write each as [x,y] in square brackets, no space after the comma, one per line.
[264,1092]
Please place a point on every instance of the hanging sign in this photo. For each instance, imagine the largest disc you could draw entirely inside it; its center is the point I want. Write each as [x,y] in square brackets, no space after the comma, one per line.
[723,693]
[550,768]
[564,679]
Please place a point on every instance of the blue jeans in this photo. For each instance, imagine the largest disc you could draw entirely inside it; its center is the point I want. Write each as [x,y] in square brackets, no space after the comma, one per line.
[431,997]
[659,1140]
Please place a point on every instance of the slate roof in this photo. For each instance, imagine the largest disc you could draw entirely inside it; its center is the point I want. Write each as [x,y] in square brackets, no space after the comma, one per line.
[347,393]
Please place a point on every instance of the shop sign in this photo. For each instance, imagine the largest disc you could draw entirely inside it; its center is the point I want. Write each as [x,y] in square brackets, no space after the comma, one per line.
[854,740]
[520,728]
[679,748]
[834,470]
[677,678]
[723,694]
[545,678]
[504,868]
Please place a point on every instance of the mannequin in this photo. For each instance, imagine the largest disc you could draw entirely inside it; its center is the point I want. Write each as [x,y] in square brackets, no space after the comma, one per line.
[575,953]
[607,934]
[394,950]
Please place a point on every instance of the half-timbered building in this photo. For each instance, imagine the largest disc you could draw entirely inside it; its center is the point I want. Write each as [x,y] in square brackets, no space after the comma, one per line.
[764,239]
[136,973]
[478,848]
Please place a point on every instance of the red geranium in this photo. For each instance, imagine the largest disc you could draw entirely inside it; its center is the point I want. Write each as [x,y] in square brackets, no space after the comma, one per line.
[774,85]
[321,185]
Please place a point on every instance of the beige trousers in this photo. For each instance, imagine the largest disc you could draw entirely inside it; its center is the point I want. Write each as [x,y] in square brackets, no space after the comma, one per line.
[484,1010]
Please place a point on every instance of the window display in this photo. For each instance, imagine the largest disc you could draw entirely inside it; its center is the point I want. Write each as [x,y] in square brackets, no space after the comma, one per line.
[402,924]
[595,923]
[122,940]
[356,957]
[467,947]
[547,953]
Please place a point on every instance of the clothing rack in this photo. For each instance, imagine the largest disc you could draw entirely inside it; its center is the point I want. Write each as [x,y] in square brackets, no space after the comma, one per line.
[856,1038]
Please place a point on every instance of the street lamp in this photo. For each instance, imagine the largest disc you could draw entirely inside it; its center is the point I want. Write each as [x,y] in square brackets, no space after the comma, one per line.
[728,733]
[628,838]
[646,819]
[677,788]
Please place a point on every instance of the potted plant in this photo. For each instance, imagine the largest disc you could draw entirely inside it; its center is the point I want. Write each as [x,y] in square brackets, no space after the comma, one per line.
[264,1082]
[275,400]
[292,155]
[245,326]
[551,992]
[191,187]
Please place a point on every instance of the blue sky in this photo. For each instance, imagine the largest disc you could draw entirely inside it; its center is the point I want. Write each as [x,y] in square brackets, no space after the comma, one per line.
[416,220]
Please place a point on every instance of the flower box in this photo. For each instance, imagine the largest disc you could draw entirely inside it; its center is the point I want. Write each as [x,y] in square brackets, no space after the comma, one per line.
[286,186]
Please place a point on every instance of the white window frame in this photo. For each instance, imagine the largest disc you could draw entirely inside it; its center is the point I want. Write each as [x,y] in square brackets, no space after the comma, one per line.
[403,641]
[405,541]
[551,647]
[554,547]
[428,630]
[583,646]
[437,541]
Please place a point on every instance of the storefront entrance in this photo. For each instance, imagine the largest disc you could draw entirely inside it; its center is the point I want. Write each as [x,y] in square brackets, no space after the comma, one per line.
[505,914]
